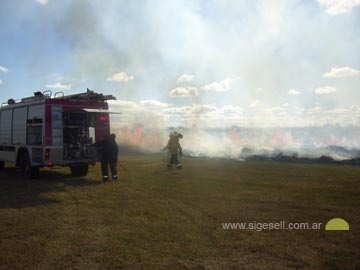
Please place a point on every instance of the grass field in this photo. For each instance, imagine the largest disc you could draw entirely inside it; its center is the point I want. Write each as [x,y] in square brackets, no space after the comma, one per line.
[173,219]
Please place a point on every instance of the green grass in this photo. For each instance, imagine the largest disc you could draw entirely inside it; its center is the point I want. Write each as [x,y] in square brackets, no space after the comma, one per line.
[173,219]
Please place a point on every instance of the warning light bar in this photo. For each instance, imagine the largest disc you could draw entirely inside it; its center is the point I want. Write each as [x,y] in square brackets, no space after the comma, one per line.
[104,118]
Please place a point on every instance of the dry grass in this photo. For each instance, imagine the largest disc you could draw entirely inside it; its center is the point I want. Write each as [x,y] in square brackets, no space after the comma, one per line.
[172,219]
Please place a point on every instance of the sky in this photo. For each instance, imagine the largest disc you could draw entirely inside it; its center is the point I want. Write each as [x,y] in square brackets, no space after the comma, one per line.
[281,63]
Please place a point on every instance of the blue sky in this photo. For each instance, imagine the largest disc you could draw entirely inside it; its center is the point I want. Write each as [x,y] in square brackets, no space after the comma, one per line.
[209,63]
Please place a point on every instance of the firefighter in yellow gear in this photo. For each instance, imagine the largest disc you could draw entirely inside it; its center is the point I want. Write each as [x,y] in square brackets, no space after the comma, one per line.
[174,148]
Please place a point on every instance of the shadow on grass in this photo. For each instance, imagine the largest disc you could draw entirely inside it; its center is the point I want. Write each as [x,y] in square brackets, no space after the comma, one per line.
[17,191]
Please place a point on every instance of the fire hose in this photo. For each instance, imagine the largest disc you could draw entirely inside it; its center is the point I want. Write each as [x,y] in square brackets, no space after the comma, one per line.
[126,169]
[143,165]
[151,164]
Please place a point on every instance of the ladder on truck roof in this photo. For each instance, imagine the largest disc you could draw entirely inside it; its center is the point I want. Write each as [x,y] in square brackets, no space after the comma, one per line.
[39,96]
[86,96]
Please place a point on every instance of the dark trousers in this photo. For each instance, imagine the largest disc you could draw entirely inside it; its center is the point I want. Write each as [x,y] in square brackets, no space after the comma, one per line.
[104,168]
[174,160]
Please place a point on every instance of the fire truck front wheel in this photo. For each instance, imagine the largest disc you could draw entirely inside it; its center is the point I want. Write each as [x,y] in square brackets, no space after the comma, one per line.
[25,166]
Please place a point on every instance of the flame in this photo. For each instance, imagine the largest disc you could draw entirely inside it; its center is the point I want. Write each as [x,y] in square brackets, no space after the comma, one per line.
[141,138]
[235,136]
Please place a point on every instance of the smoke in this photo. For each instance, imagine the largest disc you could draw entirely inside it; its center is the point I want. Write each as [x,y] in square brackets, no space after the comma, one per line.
[276,46]
[212,132]
[340,143]
[261,44]
[240,143]
[250,66]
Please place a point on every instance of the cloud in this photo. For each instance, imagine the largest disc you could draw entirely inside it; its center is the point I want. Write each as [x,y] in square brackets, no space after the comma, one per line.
[205,115]
[41,2]
[314,110]
[3,69]
[120,77]
[336,72]
[337,7]
[59,86]
[189,91]
[325,90]
[178,110]
[150,47]
[293,92]
[255,103]
[1,82]
[185,78]
[203,108]
[210,115]
[192,110]
[222,86]
[123,104]
[231,109]
[154,103]
[277,109]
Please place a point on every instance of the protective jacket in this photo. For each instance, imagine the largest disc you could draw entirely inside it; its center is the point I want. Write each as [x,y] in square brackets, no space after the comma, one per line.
[110,150]
[173,146]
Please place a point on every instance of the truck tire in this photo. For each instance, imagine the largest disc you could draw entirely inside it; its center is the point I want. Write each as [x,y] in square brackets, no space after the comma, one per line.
[2,165]
[25,166]
[79,170]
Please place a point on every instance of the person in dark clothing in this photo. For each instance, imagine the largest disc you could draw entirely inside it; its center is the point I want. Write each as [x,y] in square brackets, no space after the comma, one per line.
[109,157]
[174,148]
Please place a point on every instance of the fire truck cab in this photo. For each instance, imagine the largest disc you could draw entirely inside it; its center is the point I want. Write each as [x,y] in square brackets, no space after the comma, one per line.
[46,130]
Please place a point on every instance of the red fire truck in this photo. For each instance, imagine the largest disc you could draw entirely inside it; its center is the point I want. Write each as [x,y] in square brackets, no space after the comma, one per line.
[48,130]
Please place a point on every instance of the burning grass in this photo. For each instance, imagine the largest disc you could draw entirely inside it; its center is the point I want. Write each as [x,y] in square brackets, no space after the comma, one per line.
[173,219]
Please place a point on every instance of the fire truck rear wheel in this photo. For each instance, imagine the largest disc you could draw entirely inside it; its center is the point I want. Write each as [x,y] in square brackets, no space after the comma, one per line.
[2,165]
[79,170]
[26,168]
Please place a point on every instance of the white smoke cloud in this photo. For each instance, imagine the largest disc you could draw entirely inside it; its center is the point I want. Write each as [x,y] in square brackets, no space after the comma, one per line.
[59,86]
[191,112]
[294,92]
[240,143]
[342,72]
[303,142]
[214,131]
[205,115]
[256,103]
[338,7]
[314,110]
[325,90]
[190,91]
[254,40]
[185,78]
[120,77]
